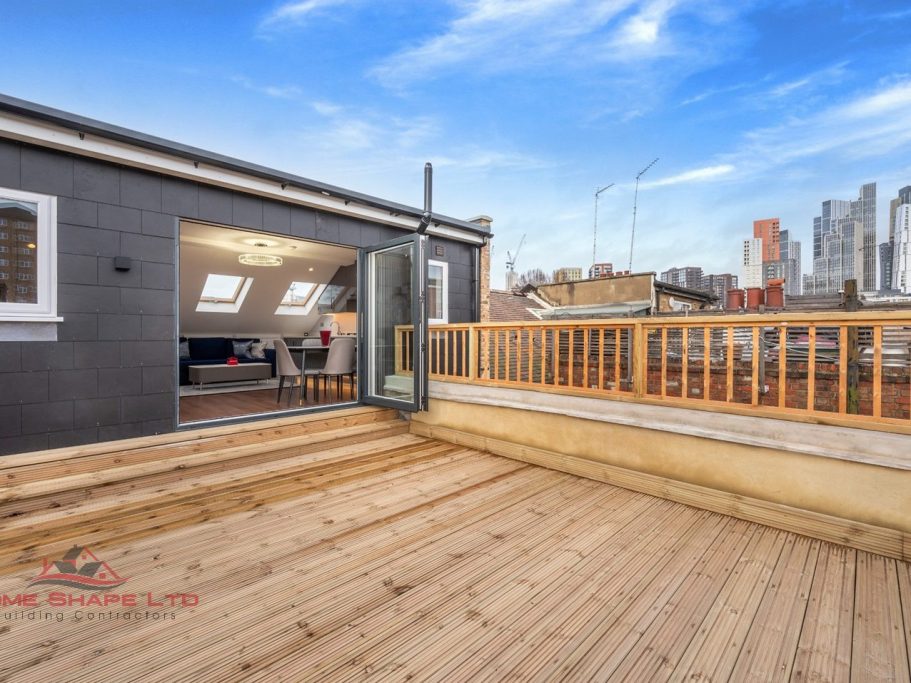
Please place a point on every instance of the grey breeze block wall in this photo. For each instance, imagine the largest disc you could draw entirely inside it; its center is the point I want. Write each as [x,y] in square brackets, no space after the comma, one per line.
[111,374]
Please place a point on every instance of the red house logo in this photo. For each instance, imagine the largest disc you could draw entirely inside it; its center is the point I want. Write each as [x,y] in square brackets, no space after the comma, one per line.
[79,568]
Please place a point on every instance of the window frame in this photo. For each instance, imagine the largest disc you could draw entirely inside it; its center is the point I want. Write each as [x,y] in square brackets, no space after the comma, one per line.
[444,291]
[45,308]
[213,304]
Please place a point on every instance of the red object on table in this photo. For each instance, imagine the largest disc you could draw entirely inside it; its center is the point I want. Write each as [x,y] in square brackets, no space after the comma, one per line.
[233,360]
[324,336]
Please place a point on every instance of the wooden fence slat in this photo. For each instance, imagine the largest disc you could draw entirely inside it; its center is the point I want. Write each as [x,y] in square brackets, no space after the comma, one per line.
[601,358]
[586,384]
[877,370]
[707,367]
[843,370]
[754,380]
[730,366]
[685,363]
[782,366]
[663,362]
[617,335]
[811,369]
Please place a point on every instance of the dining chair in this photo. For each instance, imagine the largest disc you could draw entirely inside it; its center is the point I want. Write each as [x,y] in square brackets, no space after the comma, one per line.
[340,361]
[285,368]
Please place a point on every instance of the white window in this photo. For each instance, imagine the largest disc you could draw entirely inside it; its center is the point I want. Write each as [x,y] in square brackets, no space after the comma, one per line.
[35,219]
[223,293]
[438,292]
[300,298]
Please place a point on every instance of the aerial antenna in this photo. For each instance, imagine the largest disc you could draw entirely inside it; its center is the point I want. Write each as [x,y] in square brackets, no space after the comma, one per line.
[511,265]
[632,237]
[595,239]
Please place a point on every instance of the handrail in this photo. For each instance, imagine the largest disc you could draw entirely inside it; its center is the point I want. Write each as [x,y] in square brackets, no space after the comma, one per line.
[847,368]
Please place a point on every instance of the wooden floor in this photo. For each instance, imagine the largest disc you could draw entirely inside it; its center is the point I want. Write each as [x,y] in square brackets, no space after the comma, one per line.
[254,402]
[349,549]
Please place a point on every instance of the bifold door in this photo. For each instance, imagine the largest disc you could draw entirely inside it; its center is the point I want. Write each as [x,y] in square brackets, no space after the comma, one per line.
[392,323]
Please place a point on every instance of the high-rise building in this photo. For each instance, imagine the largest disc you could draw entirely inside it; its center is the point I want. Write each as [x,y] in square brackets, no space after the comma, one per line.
[887,249]
[863,210]
[567,274]
[718,284]
[769,231]
[752,262]
[688,276]
[844,244]
[901,257]
[600,270]
[886,254]
[789,251]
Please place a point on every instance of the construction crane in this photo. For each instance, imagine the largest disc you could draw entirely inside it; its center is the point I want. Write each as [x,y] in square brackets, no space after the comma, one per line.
[511,265]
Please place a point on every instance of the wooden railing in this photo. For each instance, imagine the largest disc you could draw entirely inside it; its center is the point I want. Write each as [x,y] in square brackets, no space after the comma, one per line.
[840,368]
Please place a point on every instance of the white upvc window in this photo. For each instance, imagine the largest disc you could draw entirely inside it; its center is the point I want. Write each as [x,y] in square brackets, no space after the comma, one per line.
[33,218]
[437,292]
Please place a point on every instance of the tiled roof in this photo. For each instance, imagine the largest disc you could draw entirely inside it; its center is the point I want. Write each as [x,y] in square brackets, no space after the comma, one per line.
[509,306]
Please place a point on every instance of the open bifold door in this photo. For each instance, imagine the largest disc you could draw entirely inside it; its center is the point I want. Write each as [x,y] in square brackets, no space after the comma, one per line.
[392,323]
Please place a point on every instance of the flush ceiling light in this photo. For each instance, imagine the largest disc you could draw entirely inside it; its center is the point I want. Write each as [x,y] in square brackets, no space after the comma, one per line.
[260,242]
[260,260]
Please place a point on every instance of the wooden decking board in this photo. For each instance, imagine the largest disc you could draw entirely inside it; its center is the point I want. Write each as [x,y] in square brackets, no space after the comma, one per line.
[824,650]
[534,626]
[265,603]
[381,555]
[770,646]
[506,613]
[454,590]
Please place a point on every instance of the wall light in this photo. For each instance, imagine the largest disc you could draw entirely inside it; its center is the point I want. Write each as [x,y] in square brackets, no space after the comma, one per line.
[260,260]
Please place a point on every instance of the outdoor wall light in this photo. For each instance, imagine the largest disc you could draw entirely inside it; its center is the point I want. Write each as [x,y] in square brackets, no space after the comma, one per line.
[260,260]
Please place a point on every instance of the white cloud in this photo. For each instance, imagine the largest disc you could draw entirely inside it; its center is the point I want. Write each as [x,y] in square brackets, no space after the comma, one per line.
[295,13]
[695,175]
[503,35]
[283,92]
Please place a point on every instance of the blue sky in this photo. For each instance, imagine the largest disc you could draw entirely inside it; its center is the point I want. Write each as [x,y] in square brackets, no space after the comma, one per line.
[756,109]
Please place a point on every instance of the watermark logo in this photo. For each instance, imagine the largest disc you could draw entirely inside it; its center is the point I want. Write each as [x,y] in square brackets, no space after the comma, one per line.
[79,568]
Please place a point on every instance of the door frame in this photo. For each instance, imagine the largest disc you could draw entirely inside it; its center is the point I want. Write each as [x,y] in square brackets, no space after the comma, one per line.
[419,313]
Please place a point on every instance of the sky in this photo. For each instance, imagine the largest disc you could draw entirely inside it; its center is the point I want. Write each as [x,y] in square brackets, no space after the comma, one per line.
[524,107]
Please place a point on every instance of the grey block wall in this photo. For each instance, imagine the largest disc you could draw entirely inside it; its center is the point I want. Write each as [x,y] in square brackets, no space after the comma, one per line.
[112,372]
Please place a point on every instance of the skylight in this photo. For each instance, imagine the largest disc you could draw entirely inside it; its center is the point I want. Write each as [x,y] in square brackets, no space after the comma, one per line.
[298,294]
[223,293]
[222,289]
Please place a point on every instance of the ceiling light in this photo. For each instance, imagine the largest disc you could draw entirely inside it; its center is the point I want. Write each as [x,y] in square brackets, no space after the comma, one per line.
[32,245]
[310,269]
[260,242]
[260,260]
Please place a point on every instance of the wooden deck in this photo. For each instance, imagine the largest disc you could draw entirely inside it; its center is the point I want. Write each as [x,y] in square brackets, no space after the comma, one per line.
[344,548]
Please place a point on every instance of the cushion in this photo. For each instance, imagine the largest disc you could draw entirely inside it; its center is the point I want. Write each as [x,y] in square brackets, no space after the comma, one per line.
[257,350]
[184,350]
[242,349]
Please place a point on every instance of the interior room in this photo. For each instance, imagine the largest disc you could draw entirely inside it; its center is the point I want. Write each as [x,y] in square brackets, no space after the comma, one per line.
[267,323]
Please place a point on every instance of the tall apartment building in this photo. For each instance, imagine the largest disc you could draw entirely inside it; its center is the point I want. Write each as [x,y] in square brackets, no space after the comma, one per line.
[789,252]
[901,257]
[769,231]
[887,249]
[600,270]
[18,244]
[567,274]
[863,210]
[844,244]
[752,263]
[688,276]
[718,284]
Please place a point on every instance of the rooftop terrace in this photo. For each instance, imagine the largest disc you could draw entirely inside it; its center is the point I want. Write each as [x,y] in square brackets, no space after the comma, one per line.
[342,547]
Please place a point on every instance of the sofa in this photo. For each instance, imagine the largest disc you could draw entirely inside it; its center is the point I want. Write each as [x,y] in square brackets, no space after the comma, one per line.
[212,351]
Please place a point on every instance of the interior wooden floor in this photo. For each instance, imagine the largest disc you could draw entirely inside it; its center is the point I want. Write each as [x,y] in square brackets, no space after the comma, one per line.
[256,401]
[341,547]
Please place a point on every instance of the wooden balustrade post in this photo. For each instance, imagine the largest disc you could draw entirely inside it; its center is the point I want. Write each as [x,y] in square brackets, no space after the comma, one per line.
[639,359]
[473,339]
